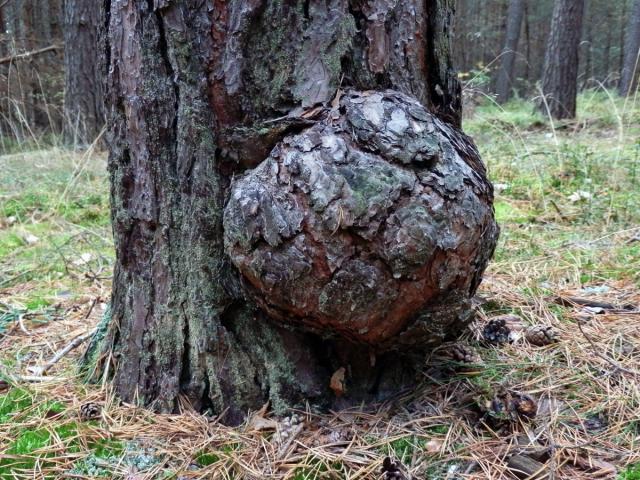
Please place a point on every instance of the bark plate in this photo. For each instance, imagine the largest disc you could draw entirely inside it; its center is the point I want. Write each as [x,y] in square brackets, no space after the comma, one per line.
[375,225]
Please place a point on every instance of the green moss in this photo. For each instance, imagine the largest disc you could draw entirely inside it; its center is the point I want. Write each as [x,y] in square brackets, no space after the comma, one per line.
[30,441]
[9,242]
[13,402]
[405,448]
[508,212]
[105,448]
[37,303]
[24,204]
[439,429]
[632,472]
[205,459]
[318,470]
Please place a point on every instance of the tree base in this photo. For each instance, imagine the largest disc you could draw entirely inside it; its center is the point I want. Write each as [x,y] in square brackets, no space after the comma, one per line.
[258,361]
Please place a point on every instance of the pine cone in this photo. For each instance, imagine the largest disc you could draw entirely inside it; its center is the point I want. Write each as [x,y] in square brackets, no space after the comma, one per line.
[459,352]
[90,411]
[502,329]
[514,404]
[541,335]
[392,470]
[523,405]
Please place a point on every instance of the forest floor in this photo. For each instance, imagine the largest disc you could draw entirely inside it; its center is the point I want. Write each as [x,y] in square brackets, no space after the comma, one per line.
[568,201]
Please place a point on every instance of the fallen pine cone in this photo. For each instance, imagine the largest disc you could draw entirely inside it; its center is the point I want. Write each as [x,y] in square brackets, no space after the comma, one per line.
[392,470]
[90,411]
[540,335]
[514,404]
[502,329]
[523,405]
[460,352]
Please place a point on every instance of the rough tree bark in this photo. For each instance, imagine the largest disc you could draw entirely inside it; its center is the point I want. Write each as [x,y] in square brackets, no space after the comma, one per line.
[504,84]
[200,94]
[631,63]
[84,93]
[560,72]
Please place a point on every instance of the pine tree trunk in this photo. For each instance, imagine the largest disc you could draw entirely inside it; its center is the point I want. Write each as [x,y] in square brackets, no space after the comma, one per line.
[631,63]
[588,45]
[84,95]
[199,94]
[560,73]
[607,46]
[505,76]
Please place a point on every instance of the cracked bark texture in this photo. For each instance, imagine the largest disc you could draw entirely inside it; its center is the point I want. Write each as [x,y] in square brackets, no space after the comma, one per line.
[199,92]
[84,93]
[358,224]
[560,72]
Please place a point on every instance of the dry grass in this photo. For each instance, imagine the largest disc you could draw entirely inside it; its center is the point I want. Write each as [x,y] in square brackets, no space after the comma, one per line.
[587,421]
[586,385]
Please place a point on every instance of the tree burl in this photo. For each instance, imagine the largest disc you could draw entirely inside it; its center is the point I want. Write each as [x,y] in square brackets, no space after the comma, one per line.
[374,224]
[292,201]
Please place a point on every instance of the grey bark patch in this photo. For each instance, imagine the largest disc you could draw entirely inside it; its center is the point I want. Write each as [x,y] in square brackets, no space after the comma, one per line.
[363,225]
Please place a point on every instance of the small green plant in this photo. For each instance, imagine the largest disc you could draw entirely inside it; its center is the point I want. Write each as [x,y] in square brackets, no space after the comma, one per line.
[404,448]
[632,472]
[319,470]
[13,402]
[205,459]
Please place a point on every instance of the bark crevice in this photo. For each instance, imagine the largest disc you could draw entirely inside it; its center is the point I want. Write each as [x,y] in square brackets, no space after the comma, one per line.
[198,95]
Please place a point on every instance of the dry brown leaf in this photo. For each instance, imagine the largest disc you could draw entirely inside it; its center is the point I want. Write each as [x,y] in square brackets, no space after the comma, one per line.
[433,446]
[259,424]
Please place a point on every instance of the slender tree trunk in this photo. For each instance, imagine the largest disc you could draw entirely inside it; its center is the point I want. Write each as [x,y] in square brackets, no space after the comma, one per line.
[197,94]
[84,97]
[588,45]
[527,36]
[560,73]
[607,46]
[631,64]
[622,37]
[514,24]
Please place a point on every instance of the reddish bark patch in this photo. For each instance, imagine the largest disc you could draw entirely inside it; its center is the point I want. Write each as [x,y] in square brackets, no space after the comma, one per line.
[360,225]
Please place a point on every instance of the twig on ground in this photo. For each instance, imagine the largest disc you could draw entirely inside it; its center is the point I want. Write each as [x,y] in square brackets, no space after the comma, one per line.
[76,342]
[91,307]
[586,302]
[22,325]
[292,436]
[12,378]
[557,209]
[604,357]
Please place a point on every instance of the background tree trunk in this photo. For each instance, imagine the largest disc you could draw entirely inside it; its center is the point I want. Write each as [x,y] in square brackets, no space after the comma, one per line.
[504,84]
[631,64]
[560,74]
[184,84]
[84,96]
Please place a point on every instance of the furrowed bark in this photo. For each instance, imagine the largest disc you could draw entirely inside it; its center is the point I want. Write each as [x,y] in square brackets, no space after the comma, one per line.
[631,62]
[504,84]
[84,93]
[196,95]
[560,73]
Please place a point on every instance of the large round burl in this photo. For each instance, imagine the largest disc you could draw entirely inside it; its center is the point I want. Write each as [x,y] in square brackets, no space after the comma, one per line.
[375,224]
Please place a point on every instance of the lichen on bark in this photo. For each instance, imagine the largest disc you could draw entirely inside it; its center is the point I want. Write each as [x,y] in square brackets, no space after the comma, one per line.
[195,97]
[365,223]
